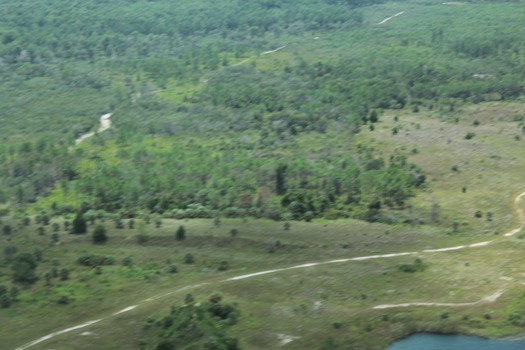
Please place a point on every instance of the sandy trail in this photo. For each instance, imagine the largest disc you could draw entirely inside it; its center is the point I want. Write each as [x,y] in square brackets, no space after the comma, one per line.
[105,123]
[272,51]
[389,18]
[254,56]
[489,299]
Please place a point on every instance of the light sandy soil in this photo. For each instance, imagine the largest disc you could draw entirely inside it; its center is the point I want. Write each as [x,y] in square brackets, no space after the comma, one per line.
[105,123]
[252,57]
[489,299]
[389,18]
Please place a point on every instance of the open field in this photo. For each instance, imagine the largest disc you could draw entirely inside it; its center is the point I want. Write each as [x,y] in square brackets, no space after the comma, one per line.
[306,303]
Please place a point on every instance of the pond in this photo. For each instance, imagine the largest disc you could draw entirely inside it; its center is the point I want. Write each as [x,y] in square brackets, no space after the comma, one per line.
[429,341]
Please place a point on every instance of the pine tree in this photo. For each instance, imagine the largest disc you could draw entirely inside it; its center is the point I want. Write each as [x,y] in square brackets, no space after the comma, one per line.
[181,233]
[79,224]
[99,235]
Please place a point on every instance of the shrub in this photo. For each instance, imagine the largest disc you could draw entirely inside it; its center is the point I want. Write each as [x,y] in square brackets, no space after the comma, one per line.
[234,232]
[99,235]
[38,254]
[5,301]
[127,261]
[142,238]
[188,259]
[233,212]
[7,229]
[95,260]
[515,319]
[55,238]
[119,223]
[9,252]
[3,289]
[79,224]
[23,267]
[63,300]
[189,298]
[411,268]
[173,268]
[223,266]
[469,135]
[13,293]
[64,274]
[181,233]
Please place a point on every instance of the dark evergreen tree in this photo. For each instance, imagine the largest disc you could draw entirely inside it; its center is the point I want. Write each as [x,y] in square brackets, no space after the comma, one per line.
[79,224]
[23,267]
[99,235]
[280,181]
[181,233]
[7,229]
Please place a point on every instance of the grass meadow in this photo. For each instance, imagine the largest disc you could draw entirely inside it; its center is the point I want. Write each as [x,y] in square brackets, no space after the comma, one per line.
[310,305]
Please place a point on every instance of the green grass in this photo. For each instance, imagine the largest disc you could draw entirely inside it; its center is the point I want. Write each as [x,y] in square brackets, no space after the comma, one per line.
[293,301]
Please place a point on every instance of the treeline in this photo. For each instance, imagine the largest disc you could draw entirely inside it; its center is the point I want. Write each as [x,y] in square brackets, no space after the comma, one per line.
[196,176]
[61,69]
[146,28]
[243,177]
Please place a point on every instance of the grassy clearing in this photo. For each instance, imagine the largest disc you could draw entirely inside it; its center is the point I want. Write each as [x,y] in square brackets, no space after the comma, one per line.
[487,166]
[319,302]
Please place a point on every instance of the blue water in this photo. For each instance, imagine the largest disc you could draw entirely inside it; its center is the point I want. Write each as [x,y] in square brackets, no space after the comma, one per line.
[426,341]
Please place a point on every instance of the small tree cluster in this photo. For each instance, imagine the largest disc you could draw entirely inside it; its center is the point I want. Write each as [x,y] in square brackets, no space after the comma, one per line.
[7,297]
[23,267]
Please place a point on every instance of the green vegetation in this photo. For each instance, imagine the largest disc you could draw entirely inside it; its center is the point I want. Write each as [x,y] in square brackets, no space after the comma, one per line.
[99,235]
[181,233]
[202,325]
[252,118]
[312,130]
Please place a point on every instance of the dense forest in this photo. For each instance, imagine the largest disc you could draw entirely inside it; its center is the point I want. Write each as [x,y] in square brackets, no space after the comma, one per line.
[231,108]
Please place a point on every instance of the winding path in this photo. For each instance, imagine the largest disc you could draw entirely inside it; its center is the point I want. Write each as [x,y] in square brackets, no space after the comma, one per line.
[491,298]
[105,123]
[254,56]
[389,18]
